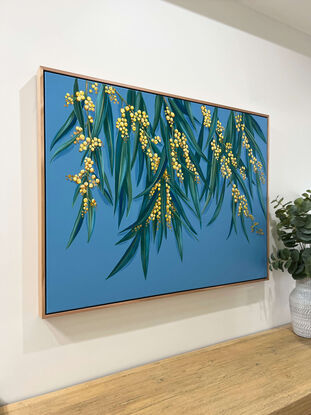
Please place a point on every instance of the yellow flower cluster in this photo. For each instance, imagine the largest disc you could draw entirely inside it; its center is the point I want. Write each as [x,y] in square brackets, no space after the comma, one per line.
[136,228]
[169,115]
[220,130]
[156,187]
[238,197]
[94,181]
[112,94]
[231,157]
[216,149]
[156,140]
[86,203]
[180,141]
[143,138]
[94,88]
[90,119]
[169,206]
[80,96]
[68,99]
[156,210]
[89,104]
[142,118]
[122,124]
[224,167]
[257,166]
[90,143]
[238,122]
[243,173]
[207,116]
[78,134]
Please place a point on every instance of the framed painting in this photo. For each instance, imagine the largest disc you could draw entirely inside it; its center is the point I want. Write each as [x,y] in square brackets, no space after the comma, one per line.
[145,194]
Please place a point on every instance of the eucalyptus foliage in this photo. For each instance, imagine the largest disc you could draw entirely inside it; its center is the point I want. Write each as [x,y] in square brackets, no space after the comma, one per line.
[294,230]
[183,163]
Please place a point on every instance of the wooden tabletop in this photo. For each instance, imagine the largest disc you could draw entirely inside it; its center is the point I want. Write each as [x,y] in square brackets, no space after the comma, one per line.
[261,374]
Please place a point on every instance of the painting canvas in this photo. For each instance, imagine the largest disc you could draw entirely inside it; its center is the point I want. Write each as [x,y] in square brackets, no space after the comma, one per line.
[145,194]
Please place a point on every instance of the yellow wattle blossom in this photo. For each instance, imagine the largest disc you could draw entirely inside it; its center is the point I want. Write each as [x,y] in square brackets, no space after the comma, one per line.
[243,208]
[169,115]
[80,96]
[68,99]
[89,104]
[238,122]
[94,88]
[112,94]
[243,173]
[207,116]
[122,123]
[225,168]
[90,143]
[90,119]
[169,207]
[180,141]
[219,130]
[216,149]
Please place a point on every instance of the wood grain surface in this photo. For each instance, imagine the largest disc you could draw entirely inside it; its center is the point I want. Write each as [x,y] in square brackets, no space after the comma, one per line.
[261,374]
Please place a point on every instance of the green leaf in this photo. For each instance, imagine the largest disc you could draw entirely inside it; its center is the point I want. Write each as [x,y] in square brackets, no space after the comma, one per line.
[129,254]
[189,112]
[77,226]
[145,247]
[212,128]
[90,222]
[195,197]
[178,235]
[75,195]
[100,110]
[243,226]
[200,140]
[257,128]
[157,176]
[157,112]
[109,133]
[67,126]
[260,195]
[306,257]
[63,147]
[219,205]
[181,212]
[77,106]
[185,127]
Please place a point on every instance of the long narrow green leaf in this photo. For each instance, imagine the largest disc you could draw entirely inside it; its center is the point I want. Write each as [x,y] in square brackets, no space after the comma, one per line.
[212,128]
[75,195]
[100,110]
[129,254]
[77,106]
[243,226]
[67,126]
[145,248]
[109,133]
[195,197]
[219,205]
[157,176]
[90,222]
[63,147]
[189,112]
[157,112]
[178,235]
[77,226]
[257,128]
[260,195]
[185,127]
[181,212]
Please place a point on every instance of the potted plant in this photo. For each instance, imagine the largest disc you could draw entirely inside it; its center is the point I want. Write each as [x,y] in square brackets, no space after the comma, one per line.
[294,231]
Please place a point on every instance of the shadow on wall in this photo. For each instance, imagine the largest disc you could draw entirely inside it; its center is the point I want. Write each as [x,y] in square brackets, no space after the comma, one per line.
[41,334]
[244,18]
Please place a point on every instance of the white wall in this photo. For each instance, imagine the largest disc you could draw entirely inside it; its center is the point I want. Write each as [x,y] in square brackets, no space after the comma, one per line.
[156,45]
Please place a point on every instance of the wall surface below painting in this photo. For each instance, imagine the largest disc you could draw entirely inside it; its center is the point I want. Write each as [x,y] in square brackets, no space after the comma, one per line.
[154,45]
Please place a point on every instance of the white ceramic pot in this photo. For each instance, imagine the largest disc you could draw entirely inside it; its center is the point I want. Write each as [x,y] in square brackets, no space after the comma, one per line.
[300,307]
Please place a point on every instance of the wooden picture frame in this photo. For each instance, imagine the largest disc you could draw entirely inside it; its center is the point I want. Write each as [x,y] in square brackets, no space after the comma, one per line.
[42,198]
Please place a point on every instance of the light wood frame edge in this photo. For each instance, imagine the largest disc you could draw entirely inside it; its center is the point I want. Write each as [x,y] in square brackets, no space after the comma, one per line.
[41,164]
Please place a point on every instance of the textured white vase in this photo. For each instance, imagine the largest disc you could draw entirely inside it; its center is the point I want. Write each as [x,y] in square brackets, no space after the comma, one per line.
[300,307]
